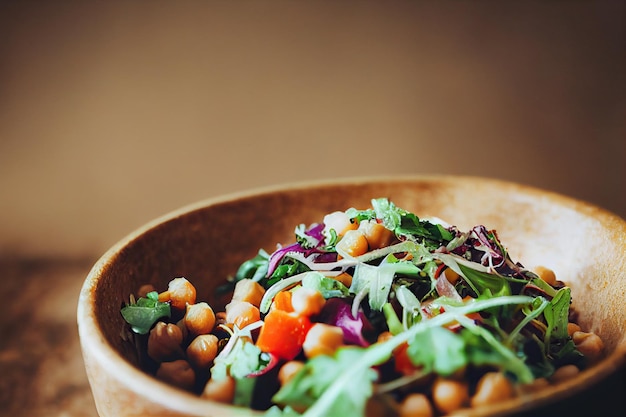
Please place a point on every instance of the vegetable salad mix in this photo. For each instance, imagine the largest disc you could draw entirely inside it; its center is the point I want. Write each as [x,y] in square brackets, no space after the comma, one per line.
[369,309]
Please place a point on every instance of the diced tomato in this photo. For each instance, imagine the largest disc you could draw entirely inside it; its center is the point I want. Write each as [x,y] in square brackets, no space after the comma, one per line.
[283,334]
[402,360]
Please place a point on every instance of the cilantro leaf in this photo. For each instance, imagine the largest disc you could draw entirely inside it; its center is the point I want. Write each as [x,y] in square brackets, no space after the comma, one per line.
[142,314]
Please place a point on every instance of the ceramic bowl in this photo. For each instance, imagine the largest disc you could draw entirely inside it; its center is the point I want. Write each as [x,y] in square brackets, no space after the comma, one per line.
[207,241]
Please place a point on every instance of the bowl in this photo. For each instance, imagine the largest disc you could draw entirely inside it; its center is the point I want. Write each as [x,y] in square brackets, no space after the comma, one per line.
[206,242]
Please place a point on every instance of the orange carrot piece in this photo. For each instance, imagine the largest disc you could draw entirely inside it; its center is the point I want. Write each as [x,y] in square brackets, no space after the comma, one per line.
[283,334]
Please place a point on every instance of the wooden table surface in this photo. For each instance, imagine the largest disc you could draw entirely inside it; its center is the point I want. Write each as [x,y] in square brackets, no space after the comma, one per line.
[41,369]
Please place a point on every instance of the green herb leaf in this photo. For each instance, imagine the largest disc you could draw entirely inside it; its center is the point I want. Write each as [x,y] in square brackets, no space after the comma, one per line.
[254,268]
[142,314]
[330,386]
[327,286]
[438,350]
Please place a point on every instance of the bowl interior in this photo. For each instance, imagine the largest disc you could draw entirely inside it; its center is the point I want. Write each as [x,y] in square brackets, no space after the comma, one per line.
[206,242]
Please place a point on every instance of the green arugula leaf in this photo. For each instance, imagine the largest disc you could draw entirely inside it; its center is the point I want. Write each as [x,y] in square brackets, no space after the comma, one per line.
[439,350]
[330,386]
[557,341]
[142,314]
[481,282]
[254,268]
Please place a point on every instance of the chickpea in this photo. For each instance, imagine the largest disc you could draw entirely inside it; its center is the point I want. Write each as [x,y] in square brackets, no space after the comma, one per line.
[220,390]
[449,394]
[288,371]
[250,291]
[353,243]
[181,325]
[546,274]
[537,385]
[589,344]
[177,373]
[307,301]
[492,387]
[164,342]
[202,351]
[564,373]
[416,405]
[572,328]
[242,313]
[180,292]
[199,319]
[377,235]
[322,339]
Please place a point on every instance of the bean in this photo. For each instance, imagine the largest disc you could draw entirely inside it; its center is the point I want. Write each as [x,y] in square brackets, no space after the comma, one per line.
[178,373]
[589,344]
[307,301]
[242,313]
[564,373]
[199,318]
[546,274]
[220,390]
[416,405]
[288,371]
[202,351]
[164,342]
[449,395]
[322,339]
[180,292]
[492,387]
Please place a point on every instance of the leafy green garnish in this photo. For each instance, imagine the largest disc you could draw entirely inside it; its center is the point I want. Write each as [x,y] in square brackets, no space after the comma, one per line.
[330,386]
[438,349]
[341,385]
[327,286]
[254,268]
[142,314]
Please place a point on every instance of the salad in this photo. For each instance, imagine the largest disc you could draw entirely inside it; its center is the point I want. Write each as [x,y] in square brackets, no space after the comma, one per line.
[368,309]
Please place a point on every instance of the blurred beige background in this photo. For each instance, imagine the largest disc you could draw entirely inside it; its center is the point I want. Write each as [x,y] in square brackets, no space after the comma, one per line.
[113,113]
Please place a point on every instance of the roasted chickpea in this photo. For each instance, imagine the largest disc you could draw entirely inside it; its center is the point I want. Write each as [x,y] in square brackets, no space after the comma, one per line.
[589,344]
[307,301]
[288,371]
[180,292]
[242,313]
[449,394]
[564,373]
[220,390]
[572,328]
[416,405]
[322,339]
[202,351]
[199,318]
[492,387]
[546,274]
[164,342]
[178,373]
